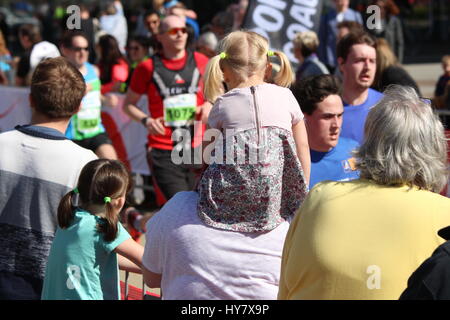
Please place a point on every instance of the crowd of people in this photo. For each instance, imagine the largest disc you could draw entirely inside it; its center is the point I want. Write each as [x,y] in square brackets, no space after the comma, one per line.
[316,183]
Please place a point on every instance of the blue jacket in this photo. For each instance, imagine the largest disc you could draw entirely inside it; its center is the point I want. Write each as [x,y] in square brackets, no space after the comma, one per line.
[328,34]
[311,66]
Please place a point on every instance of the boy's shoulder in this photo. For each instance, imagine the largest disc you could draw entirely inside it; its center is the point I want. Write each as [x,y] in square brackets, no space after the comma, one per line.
[48,141]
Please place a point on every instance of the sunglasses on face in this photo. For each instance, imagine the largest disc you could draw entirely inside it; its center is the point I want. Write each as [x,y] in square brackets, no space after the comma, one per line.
[79,49]
[174,31]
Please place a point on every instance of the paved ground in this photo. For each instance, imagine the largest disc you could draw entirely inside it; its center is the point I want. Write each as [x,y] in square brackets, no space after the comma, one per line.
[136,279]
[426,76]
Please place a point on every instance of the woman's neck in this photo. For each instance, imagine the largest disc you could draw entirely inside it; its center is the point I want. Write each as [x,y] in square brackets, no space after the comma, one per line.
[251,81]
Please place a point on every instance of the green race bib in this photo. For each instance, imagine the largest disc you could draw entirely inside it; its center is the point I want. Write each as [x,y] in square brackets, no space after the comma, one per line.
[180,110]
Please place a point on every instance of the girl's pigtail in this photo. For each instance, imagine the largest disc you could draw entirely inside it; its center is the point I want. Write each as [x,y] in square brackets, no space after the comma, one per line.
[109,227]
[213,87]
[285,77]
[65,210]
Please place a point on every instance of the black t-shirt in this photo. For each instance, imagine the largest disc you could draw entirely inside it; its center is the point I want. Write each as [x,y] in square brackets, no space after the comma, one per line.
[397,75]
[24,65]
[431,281]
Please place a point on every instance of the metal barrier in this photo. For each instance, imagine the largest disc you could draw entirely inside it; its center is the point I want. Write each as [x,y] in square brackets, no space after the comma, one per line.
[136,293]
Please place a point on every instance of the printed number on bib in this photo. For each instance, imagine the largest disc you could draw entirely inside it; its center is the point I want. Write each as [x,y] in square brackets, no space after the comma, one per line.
[87,124]
[179,111]
[88,118]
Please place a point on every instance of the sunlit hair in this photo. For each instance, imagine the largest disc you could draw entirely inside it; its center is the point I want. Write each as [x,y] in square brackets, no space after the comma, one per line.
[352,26]
[404,143]
[348,41]
[307,42]
[3,48]
[57,88]
[98,179]
[446,59]
[311,91]
[385,58]
[246,55]
[110,55]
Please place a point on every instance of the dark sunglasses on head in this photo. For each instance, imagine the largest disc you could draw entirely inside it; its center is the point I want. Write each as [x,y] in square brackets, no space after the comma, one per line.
[174,31]
[79,49]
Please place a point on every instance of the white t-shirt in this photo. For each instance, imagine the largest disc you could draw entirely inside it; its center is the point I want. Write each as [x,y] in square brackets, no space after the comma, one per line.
[200,262]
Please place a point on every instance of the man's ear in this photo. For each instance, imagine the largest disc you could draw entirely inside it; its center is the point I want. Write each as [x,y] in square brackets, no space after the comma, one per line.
[63,50]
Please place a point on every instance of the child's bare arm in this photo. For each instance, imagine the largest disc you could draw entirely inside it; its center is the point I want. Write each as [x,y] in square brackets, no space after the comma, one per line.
[302,145]
[127,265]
[133,252]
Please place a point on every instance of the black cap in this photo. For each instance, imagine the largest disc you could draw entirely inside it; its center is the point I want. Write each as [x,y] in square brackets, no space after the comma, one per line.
[445,233]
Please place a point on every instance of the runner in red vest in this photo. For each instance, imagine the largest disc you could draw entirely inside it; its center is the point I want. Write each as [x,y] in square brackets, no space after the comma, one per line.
[172,80]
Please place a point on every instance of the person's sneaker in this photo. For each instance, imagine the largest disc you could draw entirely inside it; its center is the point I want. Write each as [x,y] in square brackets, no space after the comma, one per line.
[129,217]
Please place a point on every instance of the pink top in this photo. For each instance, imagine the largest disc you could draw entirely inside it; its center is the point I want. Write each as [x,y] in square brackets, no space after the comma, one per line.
[235,109]
[119,73]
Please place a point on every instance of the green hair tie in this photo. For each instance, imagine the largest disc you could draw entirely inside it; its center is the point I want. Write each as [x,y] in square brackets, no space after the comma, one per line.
[107,199]
[270,53]
[223,55]
[75,191]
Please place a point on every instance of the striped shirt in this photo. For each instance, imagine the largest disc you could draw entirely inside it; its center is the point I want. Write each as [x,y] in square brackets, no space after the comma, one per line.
[38,166]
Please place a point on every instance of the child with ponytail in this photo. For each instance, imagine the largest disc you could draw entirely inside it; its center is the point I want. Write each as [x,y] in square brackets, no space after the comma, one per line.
[240,193]
[83,261]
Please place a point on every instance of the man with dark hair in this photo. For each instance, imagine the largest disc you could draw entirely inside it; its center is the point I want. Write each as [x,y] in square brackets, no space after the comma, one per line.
[331,158]
[86,128]
[35,49]
[29,35]
[152,22]
[357,57]
[38,166]
[173,81]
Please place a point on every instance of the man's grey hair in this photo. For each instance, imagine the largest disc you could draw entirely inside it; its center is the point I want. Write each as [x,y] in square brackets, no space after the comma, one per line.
[404,142]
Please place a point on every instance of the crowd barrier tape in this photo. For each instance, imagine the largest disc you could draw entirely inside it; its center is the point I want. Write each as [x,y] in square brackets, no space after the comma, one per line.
[129,137]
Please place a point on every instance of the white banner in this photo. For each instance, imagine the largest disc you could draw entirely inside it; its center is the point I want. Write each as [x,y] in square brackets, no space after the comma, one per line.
[129,137]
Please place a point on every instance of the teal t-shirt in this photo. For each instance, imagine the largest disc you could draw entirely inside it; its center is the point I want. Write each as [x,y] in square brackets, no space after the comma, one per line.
[81,264]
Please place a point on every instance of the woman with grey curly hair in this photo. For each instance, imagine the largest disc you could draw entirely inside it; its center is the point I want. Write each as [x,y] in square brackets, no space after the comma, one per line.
[362,239]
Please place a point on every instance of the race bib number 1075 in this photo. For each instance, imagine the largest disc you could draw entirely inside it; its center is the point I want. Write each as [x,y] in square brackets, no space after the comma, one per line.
[180,110]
